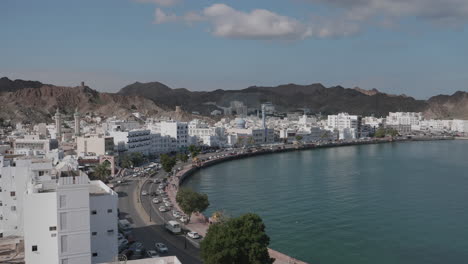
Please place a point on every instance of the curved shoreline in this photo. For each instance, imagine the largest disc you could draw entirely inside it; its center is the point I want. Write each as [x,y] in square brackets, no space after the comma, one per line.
[280,257]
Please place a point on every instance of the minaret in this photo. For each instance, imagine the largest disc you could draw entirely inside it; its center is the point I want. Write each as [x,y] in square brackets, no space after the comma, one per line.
[76,115]
[58,125]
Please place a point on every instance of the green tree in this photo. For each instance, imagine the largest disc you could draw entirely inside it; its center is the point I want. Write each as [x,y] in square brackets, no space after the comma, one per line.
[298,138]
[380,133]
[237,240]
[137,158]
[251,141]
[126,162]
[182,157]
[194,150]
[167,162]
[190,201]
[101,171]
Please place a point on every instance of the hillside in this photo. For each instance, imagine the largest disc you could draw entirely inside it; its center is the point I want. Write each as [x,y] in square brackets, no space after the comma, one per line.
[36,102]
[289,97]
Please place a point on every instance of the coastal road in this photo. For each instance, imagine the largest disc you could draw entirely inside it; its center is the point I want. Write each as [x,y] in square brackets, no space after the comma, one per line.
[149,233]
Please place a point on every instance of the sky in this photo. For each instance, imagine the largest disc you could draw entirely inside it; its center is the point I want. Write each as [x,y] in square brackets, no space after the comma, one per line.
[413,47]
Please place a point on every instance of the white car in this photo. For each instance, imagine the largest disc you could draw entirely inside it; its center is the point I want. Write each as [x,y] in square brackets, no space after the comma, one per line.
[152,254]
[183,219]
[176,214]
[193,235]
[163,208]
[156,200]
[160,247]
[168,204]
[144,193]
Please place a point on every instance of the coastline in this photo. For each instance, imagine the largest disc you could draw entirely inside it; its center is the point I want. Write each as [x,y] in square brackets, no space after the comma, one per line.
[199,222]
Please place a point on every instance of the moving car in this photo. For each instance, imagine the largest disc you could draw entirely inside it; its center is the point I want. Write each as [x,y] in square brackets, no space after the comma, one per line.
[173,227]
[193,235]
[152,254]
[161,248]
[144,193]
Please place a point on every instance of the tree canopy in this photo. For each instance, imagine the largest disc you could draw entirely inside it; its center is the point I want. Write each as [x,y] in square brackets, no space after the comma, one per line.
[194,150]
[191,201]
[182,157]
[167,162]
[382,132]
[237,240]
[101,171]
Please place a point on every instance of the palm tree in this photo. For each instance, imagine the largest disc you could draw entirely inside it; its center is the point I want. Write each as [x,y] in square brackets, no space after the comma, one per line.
[102,171]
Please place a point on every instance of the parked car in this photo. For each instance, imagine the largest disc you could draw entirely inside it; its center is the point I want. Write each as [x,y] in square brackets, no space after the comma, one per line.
[161,248]
[176,214]
[184,219]
[152,254]
[156,201]
[193,235]
[163,208]
[168,204]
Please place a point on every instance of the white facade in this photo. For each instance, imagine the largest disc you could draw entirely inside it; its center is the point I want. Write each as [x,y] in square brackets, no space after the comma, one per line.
[403,118]
[13,181]
[176,130]
[103,203]
[132,141]
[57,221]
[343,120]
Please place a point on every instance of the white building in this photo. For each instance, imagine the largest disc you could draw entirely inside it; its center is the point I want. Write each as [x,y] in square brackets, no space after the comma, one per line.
[176,130]
[14,176]
[347,126]
[202,134]
[57,212]
[33,145]
[403,118]
[103,203]
[132,141]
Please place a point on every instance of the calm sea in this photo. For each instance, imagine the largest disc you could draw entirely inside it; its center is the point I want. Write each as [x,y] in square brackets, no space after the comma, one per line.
[389,203]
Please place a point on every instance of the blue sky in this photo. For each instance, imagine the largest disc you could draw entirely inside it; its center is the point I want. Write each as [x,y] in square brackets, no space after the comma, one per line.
[415,47]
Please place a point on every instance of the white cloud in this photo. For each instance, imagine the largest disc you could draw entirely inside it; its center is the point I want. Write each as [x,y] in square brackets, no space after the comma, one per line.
[159,2]
[228,22]
[258,24]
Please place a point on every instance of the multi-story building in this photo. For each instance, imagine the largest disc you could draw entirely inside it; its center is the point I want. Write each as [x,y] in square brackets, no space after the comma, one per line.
[14,175]
[347,126]
[33,145]
[95,144]
[176,130]
[201,133]
[132,141]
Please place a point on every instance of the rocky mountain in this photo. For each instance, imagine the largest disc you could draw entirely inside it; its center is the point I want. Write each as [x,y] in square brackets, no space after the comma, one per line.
[37,102]
[448,106]
[289,97]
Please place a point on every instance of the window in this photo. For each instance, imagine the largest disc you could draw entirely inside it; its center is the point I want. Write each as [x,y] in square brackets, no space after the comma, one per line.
[64,243]
[41,173]
[53,235]
[93,212]
[64,261]
[34,248]
[12,194]
[52,228]
[110,231]
[109,211]
[63,221]
[62,201]
[13,208]
[95,254]
[94,233]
